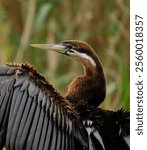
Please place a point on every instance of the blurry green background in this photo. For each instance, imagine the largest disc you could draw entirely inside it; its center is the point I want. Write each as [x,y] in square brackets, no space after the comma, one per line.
[104,24]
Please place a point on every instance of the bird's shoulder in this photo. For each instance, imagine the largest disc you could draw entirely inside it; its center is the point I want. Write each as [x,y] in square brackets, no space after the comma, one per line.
[27,77]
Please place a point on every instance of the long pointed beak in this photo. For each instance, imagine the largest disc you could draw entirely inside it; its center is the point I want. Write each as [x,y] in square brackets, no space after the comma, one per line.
[54,47]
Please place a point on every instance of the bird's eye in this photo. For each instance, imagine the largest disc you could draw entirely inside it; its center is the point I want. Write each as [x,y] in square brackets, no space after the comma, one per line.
[69,47]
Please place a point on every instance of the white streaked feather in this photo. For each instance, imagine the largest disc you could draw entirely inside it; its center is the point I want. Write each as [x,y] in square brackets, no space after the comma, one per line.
[127,140]
[99,138]
[91,130]
[87,122]
[120,130]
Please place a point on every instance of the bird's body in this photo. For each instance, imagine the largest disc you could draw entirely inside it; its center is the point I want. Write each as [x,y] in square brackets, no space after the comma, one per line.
[34,116]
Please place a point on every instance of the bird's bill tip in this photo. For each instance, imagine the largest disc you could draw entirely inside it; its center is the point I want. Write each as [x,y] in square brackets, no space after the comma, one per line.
[37,45]
[49,46]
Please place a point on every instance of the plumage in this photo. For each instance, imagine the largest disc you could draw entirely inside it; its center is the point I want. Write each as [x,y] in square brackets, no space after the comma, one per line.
[4,88]
[2,99]
[25,85]
[33,115]
[24,125]
[33,90]
[3,107]
[19,81]
[33,128]
[20,112]
[4,122]
[5,70]
[108,125]
[43,132]
[14,97]
[13,100]
[49,135]
[44,101]
[38,130]
[59,139]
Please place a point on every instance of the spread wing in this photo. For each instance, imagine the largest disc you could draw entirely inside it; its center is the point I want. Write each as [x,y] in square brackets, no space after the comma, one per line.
[108,130]
[33,115]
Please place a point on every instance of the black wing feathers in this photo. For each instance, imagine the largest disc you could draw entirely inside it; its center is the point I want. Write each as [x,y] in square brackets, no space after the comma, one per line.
[6,92]
[32,114]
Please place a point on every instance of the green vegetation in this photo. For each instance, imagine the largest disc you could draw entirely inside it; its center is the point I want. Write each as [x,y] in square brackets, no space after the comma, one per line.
[104,24]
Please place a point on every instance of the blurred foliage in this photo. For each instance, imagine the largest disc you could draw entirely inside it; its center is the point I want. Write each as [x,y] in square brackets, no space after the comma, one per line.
[104,24]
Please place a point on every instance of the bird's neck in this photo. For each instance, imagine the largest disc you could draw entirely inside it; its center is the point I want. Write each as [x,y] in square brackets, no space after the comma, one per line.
[88,89]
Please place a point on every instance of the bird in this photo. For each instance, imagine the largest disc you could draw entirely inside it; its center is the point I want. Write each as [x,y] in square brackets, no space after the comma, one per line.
[34,115]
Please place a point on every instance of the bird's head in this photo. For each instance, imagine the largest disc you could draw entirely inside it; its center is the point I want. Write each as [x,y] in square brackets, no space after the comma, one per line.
[93,91]
[74,49]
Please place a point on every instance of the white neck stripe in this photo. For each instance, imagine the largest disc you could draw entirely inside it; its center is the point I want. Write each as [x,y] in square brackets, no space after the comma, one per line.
[87,58]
